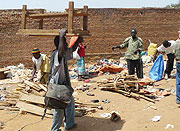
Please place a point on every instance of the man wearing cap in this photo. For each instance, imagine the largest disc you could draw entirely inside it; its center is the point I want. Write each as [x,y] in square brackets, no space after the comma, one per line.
[168,48]
[41,65]
[134,46]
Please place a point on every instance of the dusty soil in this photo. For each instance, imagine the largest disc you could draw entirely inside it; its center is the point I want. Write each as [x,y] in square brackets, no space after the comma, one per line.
[134,114]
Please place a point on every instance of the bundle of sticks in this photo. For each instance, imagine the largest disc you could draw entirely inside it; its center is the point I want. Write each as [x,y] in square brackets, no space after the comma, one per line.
[128,85]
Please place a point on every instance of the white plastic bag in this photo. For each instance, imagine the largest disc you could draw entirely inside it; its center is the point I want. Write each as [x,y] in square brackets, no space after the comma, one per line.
[75,54]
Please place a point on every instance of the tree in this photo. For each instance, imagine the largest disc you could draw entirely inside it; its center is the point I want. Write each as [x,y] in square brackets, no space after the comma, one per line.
[174,5]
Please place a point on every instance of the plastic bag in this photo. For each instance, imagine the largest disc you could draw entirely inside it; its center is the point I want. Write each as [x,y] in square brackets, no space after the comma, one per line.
[75,54]
[157,70]
[152,49]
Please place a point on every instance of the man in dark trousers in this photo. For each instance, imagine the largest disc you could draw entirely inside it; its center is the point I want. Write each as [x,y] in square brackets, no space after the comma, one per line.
[59,59]
[168,48]
[134,46]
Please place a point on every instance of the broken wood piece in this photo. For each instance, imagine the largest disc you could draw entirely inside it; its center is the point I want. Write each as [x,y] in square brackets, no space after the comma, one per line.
[32,99]
[32,85]
[9,108]
[32,108]
[21,85]
[128,93]
[10,102]
[43,87]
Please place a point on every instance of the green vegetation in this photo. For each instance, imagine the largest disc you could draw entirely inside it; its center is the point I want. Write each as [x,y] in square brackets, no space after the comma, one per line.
[174,5]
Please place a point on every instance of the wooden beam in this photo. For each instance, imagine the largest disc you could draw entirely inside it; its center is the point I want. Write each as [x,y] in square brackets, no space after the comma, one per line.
[32,108]
[70,17]
[85,18]
[41,20]
[54,15]
[48,15]
[38,32]
[23,19]
[53,32]
[32,99]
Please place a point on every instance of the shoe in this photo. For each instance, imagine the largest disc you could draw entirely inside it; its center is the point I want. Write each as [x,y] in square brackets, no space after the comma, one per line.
[178,101]
[166,76]
[74,126]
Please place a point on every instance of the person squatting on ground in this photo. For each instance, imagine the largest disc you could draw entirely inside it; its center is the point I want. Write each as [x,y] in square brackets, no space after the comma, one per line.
[41,66]
[59,58]
[134,46]
[168,48]
[177,55]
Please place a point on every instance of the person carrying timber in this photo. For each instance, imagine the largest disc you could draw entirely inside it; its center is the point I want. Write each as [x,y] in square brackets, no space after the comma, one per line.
[134,46]
[41,66]
[168,48]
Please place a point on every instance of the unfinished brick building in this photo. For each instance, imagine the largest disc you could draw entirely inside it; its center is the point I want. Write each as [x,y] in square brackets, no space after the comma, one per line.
[108,27]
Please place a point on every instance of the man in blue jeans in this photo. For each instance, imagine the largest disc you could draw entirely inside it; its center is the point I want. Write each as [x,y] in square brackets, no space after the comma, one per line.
[59,58]
[177,55]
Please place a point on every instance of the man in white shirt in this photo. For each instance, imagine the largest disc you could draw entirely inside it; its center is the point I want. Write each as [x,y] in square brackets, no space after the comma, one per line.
[168,48]
[41,65]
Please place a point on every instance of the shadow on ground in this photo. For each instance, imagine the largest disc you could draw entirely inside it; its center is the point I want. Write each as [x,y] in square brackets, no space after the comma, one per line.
[87,123]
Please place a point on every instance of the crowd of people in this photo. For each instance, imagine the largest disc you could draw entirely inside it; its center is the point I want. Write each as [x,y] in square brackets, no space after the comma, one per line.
[55,70]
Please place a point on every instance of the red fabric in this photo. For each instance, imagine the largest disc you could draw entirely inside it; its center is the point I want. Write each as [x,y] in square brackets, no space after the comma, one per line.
[81,51]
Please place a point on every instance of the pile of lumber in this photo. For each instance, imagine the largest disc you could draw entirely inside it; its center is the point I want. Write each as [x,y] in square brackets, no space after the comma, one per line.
[29,97]
[128,85]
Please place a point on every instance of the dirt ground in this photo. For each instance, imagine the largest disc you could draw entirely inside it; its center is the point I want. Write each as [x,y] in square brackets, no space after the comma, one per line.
[134,114]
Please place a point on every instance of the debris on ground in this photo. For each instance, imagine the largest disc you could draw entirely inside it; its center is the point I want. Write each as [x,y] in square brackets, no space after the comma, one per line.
[156,118]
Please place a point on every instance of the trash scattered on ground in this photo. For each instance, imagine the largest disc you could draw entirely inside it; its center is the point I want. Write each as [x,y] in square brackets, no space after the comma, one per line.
[150,105]
[156,118]
[115,116]
[95,101]
[169,125]
[90,94]
[105,115]
[106,101]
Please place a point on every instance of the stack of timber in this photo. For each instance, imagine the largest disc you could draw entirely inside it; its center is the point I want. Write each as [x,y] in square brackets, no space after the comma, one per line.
[28,97]
[128,85]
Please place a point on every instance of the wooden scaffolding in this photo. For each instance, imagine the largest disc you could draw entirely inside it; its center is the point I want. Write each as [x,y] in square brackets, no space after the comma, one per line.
[70,13]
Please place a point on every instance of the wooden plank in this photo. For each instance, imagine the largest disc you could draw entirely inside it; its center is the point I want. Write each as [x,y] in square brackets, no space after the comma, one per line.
[53,32]
[48,15]
[38,32]
[23,19]
[32,85]
[32,99]
[70,17]
[41,20]
[85,18]
[42,87]
[32,108]
[9,108]
[56,15]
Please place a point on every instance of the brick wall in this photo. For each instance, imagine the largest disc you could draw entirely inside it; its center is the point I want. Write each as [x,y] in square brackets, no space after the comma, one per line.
[108,27]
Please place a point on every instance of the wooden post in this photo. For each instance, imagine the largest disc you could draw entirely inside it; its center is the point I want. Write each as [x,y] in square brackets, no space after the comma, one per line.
[70,17]
[23,19]
[85,18]
[41,20]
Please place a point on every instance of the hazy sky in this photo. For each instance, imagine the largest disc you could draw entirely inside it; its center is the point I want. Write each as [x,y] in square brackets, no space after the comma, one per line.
[60,5]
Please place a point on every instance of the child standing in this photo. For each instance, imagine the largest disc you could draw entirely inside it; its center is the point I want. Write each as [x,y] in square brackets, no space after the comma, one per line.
[81,61]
